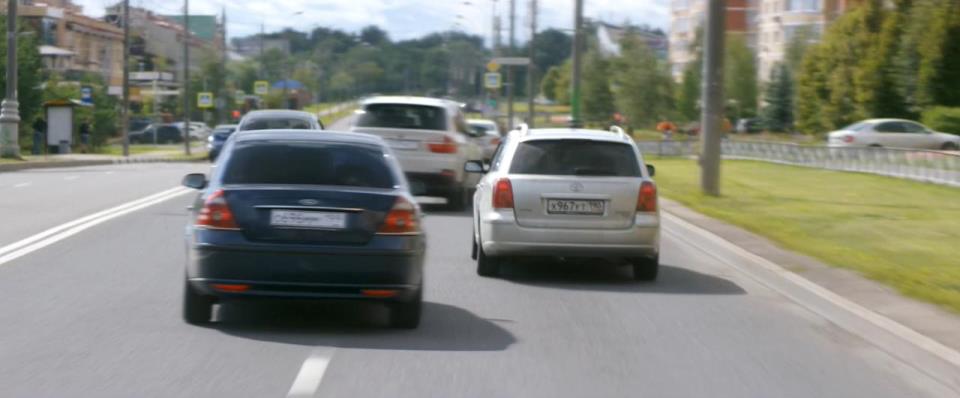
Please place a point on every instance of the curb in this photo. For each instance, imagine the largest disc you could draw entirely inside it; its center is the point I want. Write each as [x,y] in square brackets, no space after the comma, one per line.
[8,167]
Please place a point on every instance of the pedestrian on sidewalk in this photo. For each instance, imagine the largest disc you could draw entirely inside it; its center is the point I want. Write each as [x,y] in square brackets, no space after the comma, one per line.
[84,135]
[39,132]
[666,128]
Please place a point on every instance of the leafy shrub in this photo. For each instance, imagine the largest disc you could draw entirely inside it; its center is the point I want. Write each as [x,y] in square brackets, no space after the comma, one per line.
[942,118]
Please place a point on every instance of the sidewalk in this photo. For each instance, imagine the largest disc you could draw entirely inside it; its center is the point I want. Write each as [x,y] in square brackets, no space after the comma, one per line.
[927,319]
[82,159]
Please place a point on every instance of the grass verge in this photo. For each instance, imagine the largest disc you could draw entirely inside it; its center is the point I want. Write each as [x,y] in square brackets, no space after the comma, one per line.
[901,233]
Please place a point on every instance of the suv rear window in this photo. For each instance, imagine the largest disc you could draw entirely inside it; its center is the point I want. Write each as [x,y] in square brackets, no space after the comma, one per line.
[403,116]
[299,163]
[277,124]
[575,157]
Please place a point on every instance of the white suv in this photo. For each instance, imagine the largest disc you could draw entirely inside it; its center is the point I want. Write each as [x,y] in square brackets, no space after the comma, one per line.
[567,193]
[430,138]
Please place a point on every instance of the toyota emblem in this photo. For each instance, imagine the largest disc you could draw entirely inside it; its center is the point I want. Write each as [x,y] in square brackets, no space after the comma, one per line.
[576,187]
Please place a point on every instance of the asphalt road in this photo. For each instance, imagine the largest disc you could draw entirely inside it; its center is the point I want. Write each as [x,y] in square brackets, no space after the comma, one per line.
[98,315]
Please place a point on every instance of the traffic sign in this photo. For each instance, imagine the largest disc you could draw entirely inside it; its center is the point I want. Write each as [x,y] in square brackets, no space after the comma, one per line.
[204,100]
[261,87]
[238,97]
[86,95]
[493,67]
[512,61]
[492,80]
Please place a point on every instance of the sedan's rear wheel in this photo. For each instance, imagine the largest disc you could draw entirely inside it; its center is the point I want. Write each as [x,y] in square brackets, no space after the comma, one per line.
[487,265]
[197,308]
[406,314]
[646,268]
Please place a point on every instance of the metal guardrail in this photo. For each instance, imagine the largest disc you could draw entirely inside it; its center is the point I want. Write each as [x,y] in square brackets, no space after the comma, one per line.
[937,167]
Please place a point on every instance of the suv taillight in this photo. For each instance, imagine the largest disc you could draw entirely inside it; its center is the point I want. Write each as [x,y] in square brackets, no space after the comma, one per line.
[447,146]
[216,214]
[402,219]
[647,201]
[503,194]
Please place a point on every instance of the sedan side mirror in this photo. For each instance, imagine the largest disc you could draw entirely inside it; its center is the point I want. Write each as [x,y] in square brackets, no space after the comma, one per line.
[195,181]
[474,166]
[652,171]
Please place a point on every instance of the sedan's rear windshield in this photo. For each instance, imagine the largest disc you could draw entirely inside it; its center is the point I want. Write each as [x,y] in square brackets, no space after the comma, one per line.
[277,124]
[403,116]
[575,157]
[298,163]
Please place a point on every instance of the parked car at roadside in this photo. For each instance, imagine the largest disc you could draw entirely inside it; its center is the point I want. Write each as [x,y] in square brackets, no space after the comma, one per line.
[749,126]
[568,193]
[217,138]
[198,130]
[892,133]
[279,119]
[431,139]
[300,215]
[158,134]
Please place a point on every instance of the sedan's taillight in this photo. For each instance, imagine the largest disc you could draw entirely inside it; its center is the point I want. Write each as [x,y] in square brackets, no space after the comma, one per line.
[402,219]
[447,146]
[216,214]
[503,194]
[647,201]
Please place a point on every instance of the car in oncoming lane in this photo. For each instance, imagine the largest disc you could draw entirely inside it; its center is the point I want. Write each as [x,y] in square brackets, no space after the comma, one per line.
[292,214]
[217,138]
[566,193]
[892,133]
[487,135]
[279,119]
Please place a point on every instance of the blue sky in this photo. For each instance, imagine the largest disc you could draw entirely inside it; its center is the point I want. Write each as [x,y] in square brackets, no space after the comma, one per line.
[403,19]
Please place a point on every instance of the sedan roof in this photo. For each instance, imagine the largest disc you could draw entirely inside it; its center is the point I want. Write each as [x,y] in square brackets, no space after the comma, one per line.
[308,135]
[278,113]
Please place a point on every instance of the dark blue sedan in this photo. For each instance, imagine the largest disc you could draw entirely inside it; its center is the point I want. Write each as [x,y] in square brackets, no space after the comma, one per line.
[217,138]
[290,214]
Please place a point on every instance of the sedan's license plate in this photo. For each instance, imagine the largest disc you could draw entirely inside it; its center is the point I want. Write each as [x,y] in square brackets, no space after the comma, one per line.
[308,219]
[564,206]
[403,144]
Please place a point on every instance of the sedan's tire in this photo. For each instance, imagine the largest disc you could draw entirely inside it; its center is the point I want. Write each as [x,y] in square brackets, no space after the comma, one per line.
[197,308]
[950,146]
[406,314]
[487,265]
[646,268]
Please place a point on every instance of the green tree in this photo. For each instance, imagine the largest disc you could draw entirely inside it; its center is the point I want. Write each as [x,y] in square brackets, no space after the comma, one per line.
[644,87]
[598,100]
[929,53]
[562,89]
[548,86]
[740,77]
[778,112]
[690,88]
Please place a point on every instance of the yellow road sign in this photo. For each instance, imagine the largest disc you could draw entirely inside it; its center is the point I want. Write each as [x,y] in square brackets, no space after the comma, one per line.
[492,80]
[204,100]
[261,87]
[493,66]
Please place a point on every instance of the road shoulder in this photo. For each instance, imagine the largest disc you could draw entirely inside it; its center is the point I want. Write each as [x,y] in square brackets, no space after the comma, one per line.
[927,319]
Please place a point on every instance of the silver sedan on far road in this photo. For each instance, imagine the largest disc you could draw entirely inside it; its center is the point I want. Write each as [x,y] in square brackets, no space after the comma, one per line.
[892,133]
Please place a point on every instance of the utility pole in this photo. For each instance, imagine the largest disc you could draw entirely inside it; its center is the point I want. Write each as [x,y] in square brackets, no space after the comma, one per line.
[125,110]
[10,108]
[575,120]
[711,118]
[262,33]
[222,103]
[532,67]
[510,82]
[186,77]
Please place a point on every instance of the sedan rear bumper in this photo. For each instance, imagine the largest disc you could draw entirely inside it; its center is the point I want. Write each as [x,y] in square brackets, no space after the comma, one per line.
[304,274]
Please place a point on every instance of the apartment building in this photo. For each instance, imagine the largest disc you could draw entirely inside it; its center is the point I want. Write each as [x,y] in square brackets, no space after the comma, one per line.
[779,21]
[73,44]
[687,16]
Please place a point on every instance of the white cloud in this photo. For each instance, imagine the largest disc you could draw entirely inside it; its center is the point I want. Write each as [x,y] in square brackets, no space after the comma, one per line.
[404,19]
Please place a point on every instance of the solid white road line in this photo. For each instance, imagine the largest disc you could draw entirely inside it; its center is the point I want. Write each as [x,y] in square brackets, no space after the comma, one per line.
[22,184]
[46,238]
[901,332]
[311,374]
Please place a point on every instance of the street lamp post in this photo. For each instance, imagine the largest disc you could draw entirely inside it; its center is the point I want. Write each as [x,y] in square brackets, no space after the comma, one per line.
[10,108]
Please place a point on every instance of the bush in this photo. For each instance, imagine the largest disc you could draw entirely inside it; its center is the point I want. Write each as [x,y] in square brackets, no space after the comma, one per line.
[942,118]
